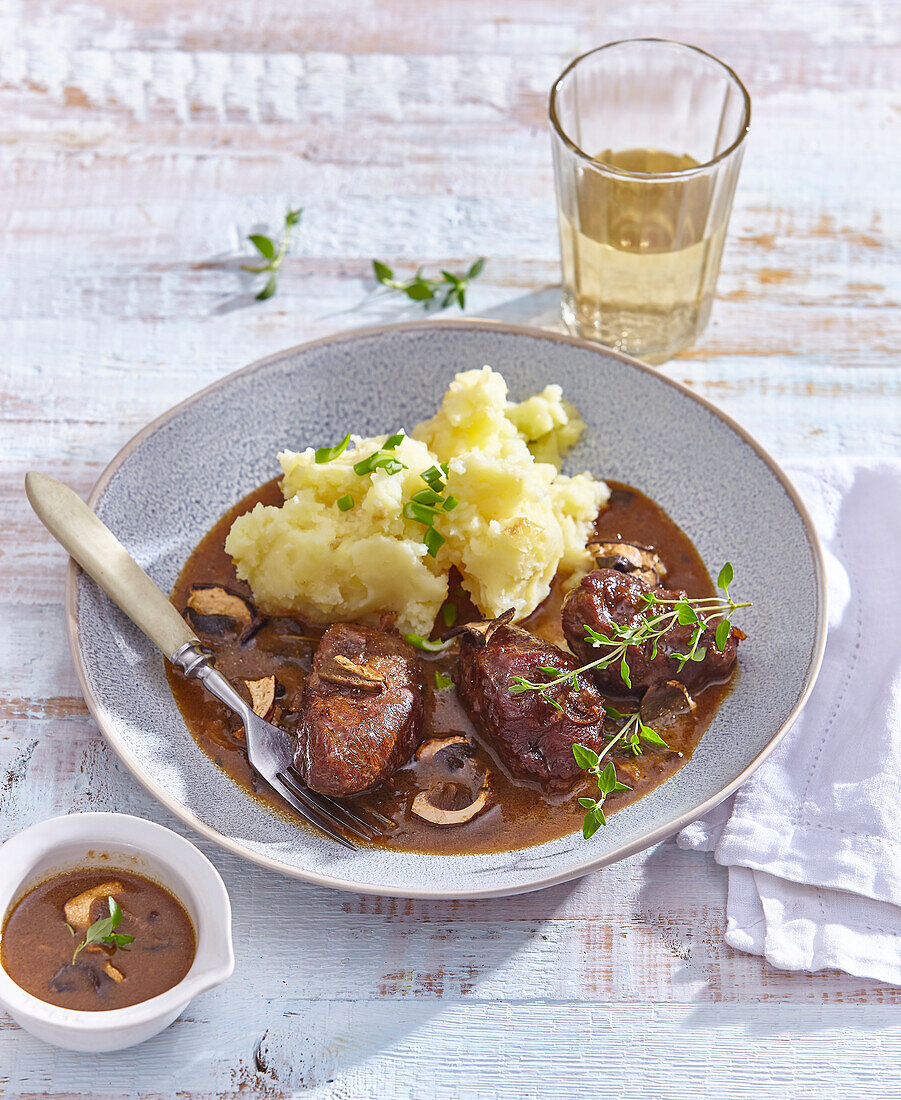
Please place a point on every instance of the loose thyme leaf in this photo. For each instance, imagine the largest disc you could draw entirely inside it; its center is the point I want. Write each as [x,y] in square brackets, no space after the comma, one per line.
[607,779]
[686,614]
[383,272]
[722,634]
[442,682]
[264,245]
[449,614]
[326,454]
[652,736]
[585,757]
[269,289]
[420,291]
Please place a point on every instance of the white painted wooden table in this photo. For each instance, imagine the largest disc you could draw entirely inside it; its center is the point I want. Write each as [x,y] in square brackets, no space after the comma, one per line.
[139,143]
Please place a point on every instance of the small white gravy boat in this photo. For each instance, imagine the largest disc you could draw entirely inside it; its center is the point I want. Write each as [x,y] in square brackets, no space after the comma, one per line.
[117,841]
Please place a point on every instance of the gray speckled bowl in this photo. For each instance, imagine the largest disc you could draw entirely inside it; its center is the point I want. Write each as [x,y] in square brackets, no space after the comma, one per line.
[174,479]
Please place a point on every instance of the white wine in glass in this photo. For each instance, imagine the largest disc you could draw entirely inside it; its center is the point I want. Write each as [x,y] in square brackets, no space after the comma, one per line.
[642,228]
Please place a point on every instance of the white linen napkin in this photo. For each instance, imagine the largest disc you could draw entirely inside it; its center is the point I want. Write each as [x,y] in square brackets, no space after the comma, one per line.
[812,841]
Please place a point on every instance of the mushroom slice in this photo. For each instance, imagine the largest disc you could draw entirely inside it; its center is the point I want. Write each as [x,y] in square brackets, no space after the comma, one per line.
[629,557]
[483,630]
[429,749]
[665,702]
[78,909]
[341,670]
[215,600]
[112,972]
[262,694]
[427,805]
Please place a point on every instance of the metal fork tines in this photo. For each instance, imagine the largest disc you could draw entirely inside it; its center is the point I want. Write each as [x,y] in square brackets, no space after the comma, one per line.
[271,757]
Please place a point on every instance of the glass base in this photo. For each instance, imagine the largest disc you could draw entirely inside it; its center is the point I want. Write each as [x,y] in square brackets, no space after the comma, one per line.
[650,336]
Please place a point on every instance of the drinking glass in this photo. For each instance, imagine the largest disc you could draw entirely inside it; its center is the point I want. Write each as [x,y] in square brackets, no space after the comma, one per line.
[648,137]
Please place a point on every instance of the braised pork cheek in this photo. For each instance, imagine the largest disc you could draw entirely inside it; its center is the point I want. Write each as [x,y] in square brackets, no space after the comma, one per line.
[361,711]
[608,596]
[533,737]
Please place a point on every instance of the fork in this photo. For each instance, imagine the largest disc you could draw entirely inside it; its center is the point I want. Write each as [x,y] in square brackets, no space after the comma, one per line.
[103,557]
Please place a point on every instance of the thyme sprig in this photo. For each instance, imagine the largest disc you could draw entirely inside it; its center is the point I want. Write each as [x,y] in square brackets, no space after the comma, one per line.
[272,253]
[700,613]
[632,732]
[421,289]
[103,931]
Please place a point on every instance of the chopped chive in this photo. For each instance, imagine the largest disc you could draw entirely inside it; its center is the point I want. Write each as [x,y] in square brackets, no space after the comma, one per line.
[345,503]
[419,513]
[433,540]
[449,614]
[434,478]
[364,466]
[392,441]
[427,497]
[442,682]
[378,461]
[450,504]
[418,642]
[388,464]
[326,454]
[445,468]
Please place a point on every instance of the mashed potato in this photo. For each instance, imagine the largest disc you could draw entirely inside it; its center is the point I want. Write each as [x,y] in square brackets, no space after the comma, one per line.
[517,520]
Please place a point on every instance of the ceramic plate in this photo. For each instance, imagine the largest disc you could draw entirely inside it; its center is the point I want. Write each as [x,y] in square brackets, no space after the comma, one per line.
[173,480]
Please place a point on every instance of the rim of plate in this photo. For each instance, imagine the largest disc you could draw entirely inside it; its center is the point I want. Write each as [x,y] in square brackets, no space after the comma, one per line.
[663,831]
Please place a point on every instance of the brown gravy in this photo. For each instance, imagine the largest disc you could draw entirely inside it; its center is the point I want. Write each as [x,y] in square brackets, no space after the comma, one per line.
[37,945]
[521,814]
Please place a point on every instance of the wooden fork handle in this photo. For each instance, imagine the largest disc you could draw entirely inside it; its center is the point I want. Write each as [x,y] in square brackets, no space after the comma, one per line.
[100,554]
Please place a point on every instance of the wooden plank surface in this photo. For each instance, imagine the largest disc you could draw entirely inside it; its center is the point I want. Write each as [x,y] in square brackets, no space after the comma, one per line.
[139,143]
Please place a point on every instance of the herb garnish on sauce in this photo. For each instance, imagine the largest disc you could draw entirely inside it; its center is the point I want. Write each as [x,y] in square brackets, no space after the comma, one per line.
[701,613]
[103,930]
